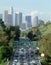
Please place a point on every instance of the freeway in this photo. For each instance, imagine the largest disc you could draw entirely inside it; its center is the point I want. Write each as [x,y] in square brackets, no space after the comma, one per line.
[25,53]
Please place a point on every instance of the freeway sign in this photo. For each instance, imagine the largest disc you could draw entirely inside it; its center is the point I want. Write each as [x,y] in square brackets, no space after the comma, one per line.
[17,43]
[34,43]
[25,42]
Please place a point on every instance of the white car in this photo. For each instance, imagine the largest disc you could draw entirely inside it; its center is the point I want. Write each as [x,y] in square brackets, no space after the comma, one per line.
[25,63]
[18,63]
[13,63]
[15,60]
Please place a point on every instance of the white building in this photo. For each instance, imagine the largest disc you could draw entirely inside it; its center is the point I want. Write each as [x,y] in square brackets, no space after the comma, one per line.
[34,21]
[5,16]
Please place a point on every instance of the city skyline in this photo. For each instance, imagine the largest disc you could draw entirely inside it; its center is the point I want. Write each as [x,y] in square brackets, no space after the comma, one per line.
[40,7]
[46,17]
[14,19]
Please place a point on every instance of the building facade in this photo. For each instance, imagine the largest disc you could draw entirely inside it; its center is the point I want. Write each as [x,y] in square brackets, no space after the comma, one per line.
[28,21]
[35,21]
[5,16]
[10,22]
[20,19]
[12,14]
[23,26]
[16,19]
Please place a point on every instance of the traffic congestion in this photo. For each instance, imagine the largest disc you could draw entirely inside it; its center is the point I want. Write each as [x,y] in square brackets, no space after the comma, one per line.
[25,53]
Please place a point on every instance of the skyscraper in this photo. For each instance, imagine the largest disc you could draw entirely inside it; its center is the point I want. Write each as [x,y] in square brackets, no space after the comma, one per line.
[34,21]
[16,19]
[12,13]
[20,19]
[5,16]
[23,26]
[28,20]
[9,20]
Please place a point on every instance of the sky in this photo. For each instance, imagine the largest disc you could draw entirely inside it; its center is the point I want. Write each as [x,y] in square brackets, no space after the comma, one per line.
[40,7]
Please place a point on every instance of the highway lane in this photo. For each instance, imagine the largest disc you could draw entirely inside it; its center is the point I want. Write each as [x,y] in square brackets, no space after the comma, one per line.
[25,54]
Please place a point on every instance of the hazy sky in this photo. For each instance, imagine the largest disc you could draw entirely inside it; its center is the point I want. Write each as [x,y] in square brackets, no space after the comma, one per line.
[40,7]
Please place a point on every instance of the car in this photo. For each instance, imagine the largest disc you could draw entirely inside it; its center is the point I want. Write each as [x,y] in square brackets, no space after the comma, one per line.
[25,63]
[18,63]
[15,56]
[13,63]
[15,60]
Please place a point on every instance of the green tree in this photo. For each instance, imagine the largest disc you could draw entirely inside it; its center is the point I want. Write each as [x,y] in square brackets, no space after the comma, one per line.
[6,51]
[30,35]
[2,24]
[41,22]
[17,33]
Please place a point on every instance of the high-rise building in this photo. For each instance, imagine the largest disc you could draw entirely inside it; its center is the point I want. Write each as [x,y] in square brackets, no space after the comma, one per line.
[9,20]
[5,16]
[16,19]
[1,16]
[34,21]
[20,19]
[12,13]
[28,20]
[23,26]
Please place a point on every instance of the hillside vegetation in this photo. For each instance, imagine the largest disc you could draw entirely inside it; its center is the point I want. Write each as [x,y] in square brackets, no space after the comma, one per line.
[45,40]
[7,35]
[45,29]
